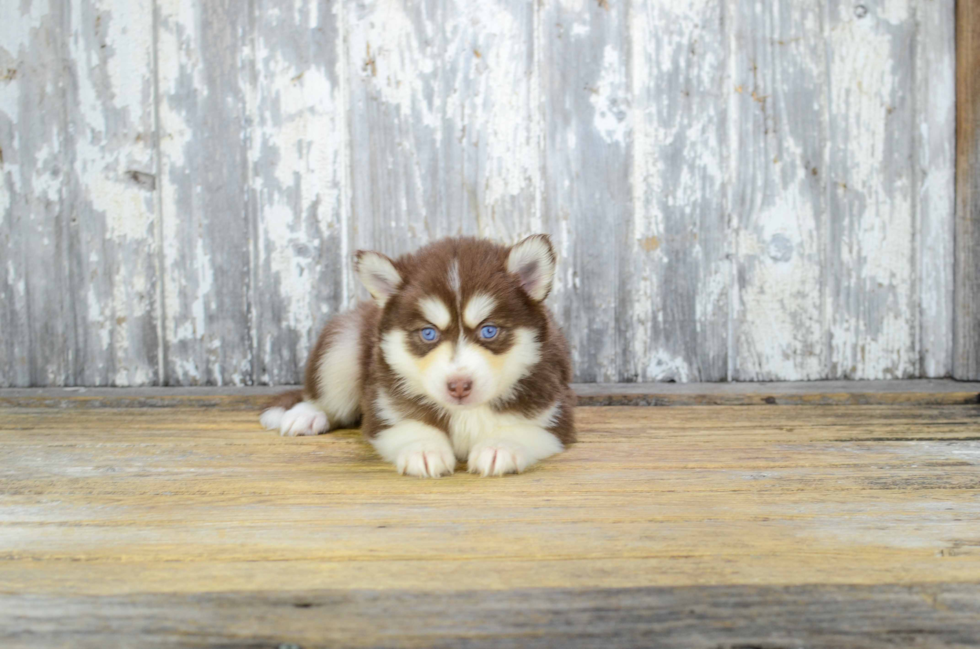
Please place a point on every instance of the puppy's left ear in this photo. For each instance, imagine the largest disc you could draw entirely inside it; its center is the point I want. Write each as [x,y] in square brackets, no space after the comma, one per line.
[533,262]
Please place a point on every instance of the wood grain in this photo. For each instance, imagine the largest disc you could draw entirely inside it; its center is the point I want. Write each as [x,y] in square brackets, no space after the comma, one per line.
[678,250]
[935,166]
[204,65]
[190,526]
[191,500]
[823,617]
[36,310]
[966,341]
[442,121]
[112,210]
[779,99]
[586,203]
[870,302]
[301,253]
[738,191]
[927,392]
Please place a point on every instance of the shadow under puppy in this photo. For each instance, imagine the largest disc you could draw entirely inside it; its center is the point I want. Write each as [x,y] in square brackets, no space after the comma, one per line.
[457,358]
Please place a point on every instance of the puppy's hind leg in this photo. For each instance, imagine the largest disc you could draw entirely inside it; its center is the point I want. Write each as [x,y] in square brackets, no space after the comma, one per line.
[292,416]
[334,373]
[331,393]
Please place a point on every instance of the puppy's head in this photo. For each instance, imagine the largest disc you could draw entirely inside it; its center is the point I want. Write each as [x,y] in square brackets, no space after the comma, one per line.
[463,320]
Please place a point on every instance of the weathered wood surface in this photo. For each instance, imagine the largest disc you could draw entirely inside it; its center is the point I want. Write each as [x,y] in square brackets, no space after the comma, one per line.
[112,238]
[705,526]
[779,160]
[38,342]
[204,84]
[966,351]
[299,176]
[739,190]
[912,392]
[870,302]
[677,297]
[935,148]
[695,617]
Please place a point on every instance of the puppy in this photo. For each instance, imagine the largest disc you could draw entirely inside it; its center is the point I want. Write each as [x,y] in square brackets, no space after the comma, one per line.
[457,358]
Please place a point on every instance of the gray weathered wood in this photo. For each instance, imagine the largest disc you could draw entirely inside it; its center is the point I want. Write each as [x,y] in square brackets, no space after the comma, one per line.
[831,617]
[779,206]
[678,245]
[935,163]
[37,344]
[442,121]
[966,350]
[587,203]
[204,70]
[112,203]
[871,305]
[737,190]
[301,251]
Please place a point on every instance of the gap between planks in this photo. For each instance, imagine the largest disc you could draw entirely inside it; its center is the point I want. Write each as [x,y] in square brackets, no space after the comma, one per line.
[921,392]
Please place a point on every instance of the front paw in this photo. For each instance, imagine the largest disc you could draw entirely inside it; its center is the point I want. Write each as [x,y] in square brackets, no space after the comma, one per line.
[496,458]
[426,460]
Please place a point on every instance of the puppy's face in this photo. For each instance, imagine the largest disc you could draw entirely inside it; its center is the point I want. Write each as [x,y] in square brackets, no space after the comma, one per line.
[463,319]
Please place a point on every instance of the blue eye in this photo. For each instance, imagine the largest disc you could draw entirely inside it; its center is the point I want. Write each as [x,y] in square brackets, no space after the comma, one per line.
[488,332]
[429,334]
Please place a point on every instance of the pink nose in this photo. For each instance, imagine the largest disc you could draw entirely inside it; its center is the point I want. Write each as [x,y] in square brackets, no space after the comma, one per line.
[460,387]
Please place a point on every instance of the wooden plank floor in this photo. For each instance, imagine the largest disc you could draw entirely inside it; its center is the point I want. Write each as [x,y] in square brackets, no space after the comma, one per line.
[766,526]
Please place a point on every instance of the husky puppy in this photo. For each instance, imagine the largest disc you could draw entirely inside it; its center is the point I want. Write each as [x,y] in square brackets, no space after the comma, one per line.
[457,358]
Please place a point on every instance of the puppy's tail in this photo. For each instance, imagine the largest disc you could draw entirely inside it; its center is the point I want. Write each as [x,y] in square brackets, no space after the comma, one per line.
[277,407]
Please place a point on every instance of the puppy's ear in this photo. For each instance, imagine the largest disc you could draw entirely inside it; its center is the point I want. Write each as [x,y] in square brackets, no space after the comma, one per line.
[533,262]
[378,274]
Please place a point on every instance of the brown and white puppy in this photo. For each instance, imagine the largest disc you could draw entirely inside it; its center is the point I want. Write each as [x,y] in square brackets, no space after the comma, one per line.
[457,358]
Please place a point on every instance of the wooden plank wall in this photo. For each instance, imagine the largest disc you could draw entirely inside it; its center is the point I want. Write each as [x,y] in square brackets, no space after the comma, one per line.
[739,190]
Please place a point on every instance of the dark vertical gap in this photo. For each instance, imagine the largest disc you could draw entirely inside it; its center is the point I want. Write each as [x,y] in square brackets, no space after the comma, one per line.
[249,99]
[66,212]
[728,24]
[916,178]
[348,292]
[827,216]
[623,306]
[161,308]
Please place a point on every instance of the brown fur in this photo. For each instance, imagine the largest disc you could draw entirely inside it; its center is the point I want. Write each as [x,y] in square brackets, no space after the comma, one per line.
[286,400]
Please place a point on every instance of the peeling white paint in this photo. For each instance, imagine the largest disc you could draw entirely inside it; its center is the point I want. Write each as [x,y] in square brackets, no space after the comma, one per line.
[393,56]
[611,99]
[465,103]
[511,152]
[778,204]
[305,143]
[892,11]
[876,241]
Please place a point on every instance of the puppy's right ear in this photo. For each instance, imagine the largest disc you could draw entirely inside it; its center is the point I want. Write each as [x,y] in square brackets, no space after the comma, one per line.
[378,274]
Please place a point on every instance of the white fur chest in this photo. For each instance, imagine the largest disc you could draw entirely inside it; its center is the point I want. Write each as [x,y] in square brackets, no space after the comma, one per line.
[467,428]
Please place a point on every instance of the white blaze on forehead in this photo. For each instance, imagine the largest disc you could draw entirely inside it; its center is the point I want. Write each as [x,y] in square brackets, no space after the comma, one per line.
[435,311]
[478,309]
[454,282]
